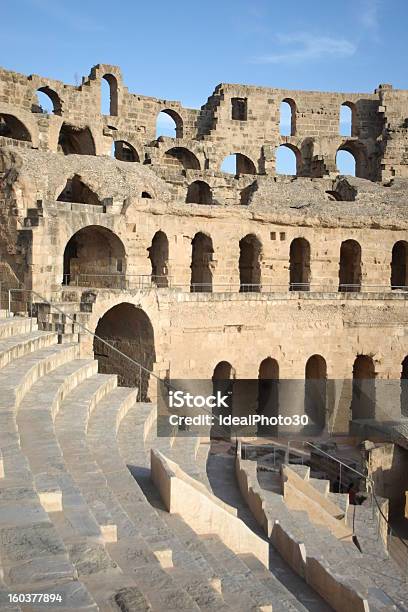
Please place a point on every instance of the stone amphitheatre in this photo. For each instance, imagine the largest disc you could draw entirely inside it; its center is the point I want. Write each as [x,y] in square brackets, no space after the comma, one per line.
[129,258]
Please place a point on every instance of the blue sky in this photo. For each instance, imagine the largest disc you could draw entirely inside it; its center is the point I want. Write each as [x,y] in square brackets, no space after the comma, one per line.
[182,49]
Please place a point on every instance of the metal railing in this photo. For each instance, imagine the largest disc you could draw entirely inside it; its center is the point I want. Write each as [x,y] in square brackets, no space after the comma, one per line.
[116,281]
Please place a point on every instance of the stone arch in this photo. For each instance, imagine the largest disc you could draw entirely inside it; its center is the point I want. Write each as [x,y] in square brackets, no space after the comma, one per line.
[112,82]
[11,127]
[53,99]
[199,192]
[75,141]
[404,387]
[177,120]
[347,119]
[94,257]
[159,259]
[268,394]
[358,152]
[77,191]
[201,258]
[288,165]
[180,157]
[124,151]
[243,164]
[363,397]
[316,393]
[299,265]
[222,378]
[250,251]
[350,266]
[399,265]
[128,329]
[287,113]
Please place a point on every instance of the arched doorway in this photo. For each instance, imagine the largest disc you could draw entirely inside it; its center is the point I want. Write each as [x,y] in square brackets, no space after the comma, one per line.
[201,258]
[109,95]
[316,393]
[11,127]
[299,265]
[76,191]
[404,387]
[250,249]
[350,266]
[237,164]
[399,265]
[222,378]
[268,394]
[181,158]
[199,192]
[288,160]
[123,151]
[169,124]
[47,101]
[159,257]
[75,141]
[287,113]
[94,257]
[129,330]
[363,399]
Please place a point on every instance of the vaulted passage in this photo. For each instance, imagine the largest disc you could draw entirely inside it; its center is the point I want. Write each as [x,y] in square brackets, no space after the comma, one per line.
[399,265]
[76,191]
[181,158]
[268,394]
[159,257]
[222,378]
[363,400]
[75,141]
[94,257]
[350,266]
[249,264]
[299,266]
[11,127]
[129,330]
[123,151]
[201,258]
[316,393]
[199,192]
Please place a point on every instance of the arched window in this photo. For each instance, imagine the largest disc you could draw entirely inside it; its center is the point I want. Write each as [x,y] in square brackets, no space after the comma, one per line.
[347,119]
[201,258]
[350,266]
[363,400]
[199,192]
[316,393]
[94,257]
[11,127]
[299,265]
[169,123]
[159,257]
[76,191]
[237,164]
[123,151]
[399,265]
[249,264]
[47,101]
[109,95]
[75,141]
[268,394]
[346,162]
[404,387]
[287,123]
[181,158]
[288,160]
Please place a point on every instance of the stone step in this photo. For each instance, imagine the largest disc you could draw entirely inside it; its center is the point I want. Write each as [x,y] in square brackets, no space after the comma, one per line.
[14,347]
[13,326]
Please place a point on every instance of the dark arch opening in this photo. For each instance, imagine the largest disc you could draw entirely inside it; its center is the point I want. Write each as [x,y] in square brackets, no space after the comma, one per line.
[250,249]
[350,266]
[237,164]
[202,256]
[222,378]
[268,394]
[11,127]
[288,160]
[181,158]
[399,265]
[123,151]
[316,393]
[109,95]
[404,387]
[146,194]
[287,113]
[169,123]
[94,257]
[199,192]
[75,141]
[129,330]
[159,258]
[363,399]
[76,191]
[299,265]
[47,101]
